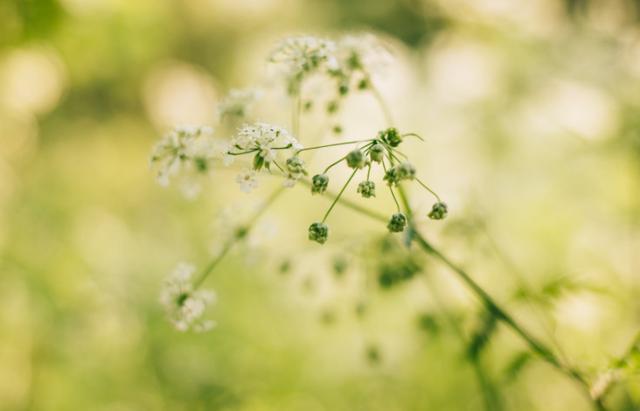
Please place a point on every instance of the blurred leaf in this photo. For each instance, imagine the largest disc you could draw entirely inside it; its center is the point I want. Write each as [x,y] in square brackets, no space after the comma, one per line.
[516,365]
[482,335]
[429,323]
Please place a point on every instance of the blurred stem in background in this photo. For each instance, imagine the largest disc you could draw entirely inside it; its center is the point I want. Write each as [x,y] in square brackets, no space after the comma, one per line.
[493,309]
[239,233]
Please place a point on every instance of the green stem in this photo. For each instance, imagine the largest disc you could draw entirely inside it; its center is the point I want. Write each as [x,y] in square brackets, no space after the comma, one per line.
[333,145]
[333,164]
[295,114]
[383,106]
[413,135]
[240,233]
[428,189]
[352,205]
[344,187]
[488,390]
[391,188]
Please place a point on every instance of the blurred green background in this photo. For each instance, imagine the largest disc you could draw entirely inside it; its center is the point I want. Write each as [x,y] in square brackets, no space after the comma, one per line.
[530,109]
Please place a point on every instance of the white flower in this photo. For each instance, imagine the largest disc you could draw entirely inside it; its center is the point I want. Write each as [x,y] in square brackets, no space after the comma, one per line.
[362,51]
[263,140]
[247,180]
[185,147]
[238,102]
[304,54]
[183,304]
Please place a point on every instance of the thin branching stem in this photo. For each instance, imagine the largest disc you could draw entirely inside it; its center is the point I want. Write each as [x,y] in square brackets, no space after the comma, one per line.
[332,145]
[395,200]
[344,187]
[426,187]
[240,233]
[330,166]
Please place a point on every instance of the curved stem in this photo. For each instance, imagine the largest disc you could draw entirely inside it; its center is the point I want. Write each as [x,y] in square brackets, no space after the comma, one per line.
[426,187]
[333,164]
[240,233]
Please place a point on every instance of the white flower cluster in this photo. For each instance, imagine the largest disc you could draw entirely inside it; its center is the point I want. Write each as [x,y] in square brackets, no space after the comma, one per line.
[183,148]
[185,305]
[263,141]
[350,59]
[362,51]
[304,54]
[238,102]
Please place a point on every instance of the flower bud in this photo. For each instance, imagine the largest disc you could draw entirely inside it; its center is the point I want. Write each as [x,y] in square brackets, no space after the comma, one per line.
[406,171]
[318,232]
[403,171]
[397,223]
[438,211]
[391,137]
[295,166]
[377,152]
[367,189]
[355,159]
[319,183]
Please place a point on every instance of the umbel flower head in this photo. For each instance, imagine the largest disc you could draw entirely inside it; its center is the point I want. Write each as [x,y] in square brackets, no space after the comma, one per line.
[184,305]
[184,147]
[238,103]
[302,55]
[347,62]
[263,140]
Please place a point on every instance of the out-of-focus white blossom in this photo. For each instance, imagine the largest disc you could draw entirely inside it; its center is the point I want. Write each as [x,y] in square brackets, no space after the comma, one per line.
[247,180]
[263,141]
[362,51]
[183,148]
[302,55]
[184,305]
[238,103]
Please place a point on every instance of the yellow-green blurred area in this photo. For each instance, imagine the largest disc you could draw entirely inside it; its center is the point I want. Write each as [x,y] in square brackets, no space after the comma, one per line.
[530,110]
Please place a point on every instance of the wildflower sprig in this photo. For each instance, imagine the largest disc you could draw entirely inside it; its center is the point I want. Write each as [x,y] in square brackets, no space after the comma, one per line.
[347,61]
[381,150]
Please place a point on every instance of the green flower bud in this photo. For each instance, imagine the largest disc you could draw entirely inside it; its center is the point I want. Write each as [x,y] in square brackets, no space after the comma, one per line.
[438,211]
[319,183]
[406,171]
[391,176]
[376,153]
[295,166]
[391,137]
[318,232]
[367,189]
[355,159]
[397,223]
